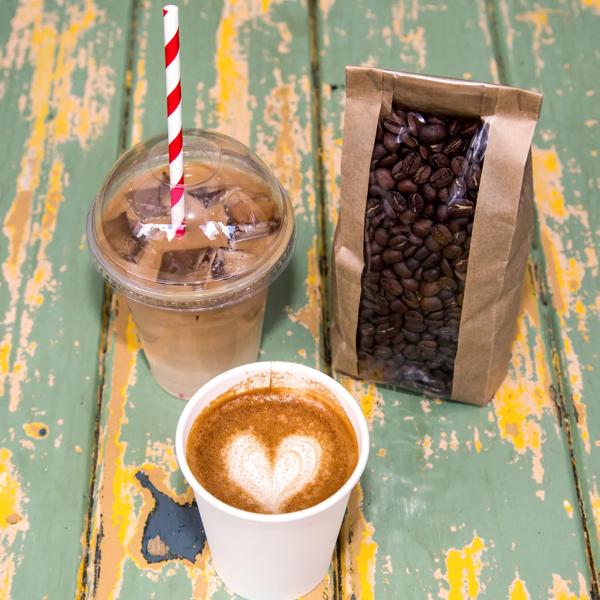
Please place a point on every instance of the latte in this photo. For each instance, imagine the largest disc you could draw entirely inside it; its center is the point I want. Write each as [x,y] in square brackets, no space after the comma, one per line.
[272,450]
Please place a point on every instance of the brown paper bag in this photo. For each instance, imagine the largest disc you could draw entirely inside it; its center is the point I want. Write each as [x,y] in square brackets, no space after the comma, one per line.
[428,301]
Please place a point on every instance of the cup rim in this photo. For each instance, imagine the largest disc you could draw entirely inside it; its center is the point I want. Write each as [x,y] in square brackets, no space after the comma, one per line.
[342,395]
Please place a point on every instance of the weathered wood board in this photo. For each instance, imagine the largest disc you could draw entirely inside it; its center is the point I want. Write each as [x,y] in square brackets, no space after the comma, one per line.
[455,499]
[560,42]
[61,73]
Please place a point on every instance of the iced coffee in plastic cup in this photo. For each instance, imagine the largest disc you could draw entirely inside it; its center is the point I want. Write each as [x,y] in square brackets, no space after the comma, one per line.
[197,299]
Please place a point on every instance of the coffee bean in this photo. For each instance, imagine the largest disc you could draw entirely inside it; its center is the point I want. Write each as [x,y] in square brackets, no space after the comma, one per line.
[390,256]
[397,172]
[421,254]
[402,270]
[432,245]
[452,251]
[408,217]
[381,236]
[422,227]
[429,288]
[410,284]
[428,192]
[451,147]
[446,283]
[432,260]
[416,203]
[392,125]
[431,274]
[441,234]
[384,179]
[391,142]
[421,175]
[398,306]
[459,165]
[439,161]
[407,139]
[406,186]
[431,304]
[399,242]
[432,134]
[388,161]
[411,163]
[439,179]
[461,208]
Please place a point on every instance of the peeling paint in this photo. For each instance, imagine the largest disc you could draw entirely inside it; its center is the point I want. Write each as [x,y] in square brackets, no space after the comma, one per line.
[561,589]
[369,397]
[52,55]
[13,520]
[518,590]
[566,271]
[309,315]
[463,570]
[523,398]
[36,430]
[359,551]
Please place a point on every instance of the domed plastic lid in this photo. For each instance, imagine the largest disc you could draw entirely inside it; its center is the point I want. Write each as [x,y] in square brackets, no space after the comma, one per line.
[239,227]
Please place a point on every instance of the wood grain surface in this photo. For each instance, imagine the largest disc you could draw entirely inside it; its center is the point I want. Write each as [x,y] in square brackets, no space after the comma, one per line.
[457,502]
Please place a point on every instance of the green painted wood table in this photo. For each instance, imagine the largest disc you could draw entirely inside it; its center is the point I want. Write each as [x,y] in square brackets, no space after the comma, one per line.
[457,502]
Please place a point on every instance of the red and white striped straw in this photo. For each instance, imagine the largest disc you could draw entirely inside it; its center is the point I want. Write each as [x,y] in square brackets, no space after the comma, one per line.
[174,123]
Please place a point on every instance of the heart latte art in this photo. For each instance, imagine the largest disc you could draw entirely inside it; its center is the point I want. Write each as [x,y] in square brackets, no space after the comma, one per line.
[271,483]
[272,450]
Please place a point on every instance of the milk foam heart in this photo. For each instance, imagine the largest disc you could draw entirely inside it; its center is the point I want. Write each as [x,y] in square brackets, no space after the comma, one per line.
[271,484]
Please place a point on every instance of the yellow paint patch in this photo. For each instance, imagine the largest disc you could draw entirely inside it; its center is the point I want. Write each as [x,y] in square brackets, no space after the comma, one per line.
[282,142]
[36,430]
[568,508]
[463,569]
[413,47]
[369,398]
[141,80]
[542,33]
[593,4]
[517,590]
[523,398]
[547,182]
[561,589]
[476,440]
[9,489]
[12,520]
[359,551]
[566,273]
[595,502]
[231,95]
[310,314]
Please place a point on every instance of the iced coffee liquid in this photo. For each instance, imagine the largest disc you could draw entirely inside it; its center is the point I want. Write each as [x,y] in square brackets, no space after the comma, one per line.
[272,450]
[230,219]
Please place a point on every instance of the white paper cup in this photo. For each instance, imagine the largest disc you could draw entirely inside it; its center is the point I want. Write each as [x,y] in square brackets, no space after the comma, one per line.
[272,557]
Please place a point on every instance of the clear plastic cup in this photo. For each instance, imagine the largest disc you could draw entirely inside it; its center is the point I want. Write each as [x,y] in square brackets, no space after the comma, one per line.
[198,300]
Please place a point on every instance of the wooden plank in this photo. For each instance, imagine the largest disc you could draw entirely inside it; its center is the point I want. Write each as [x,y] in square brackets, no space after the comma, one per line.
[566,163]
[457,502]
[245,71]
[62,65]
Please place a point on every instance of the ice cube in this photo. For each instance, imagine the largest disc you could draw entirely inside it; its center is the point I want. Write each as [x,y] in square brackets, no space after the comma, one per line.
[121,238]
[150,203]
[248,231]
[181,266]
[242,208]
[208,196]
[229,263]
